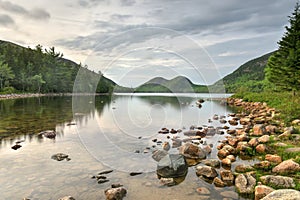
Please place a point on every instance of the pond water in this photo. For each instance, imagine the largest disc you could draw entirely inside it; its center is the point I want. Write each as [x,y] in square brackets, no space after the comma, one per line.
[100,133]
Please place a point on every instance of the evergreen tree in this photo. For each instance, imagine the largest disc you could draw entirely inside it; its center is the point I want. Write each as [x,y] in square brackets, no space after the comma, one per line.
[283,68]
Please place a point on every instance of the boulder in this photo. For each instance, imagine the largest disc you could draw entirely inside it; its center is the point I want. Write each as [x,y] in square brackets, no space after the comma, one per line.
[206,171]
[211,162]
[258,130]
[115,193]
[261,191]
[287,167]
[278,181]
[245,183]
[273,158]
[227,177]
[192,151]
[172,166]
[283,194]
[264,139]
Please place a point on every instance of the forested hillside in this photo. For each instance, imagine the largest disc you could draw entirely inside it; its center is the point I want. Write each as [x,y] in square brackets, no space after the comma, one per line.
[41,70]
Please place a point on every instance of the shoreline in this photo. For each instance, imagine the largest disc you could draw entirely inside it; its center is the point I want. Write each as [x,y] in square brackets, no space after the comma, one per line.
[30,95]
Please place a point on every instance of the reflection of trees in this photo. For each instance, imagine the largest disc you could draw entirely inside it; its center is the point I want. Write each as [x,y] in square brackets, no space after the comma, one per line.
[175,102]
[29,116]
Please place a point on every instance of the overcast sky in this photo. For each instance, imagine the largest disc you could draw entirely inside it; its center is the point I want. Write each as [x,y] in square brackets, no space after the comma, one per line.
[131,41]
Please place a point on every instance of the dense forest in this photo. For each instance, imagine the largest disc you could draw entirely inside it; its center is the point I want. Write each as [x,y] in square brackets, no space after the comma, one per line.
[41,70]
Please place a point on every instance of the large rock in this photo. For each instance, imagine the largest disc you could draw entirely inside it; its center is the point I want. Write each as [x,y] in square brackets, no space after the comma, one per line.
[286,167]
[115,193]
[278,181]
[172,166]
[157,155]
[261,191]
[192,151]
[283,194]
[206,171]
[245,183]
[258,130]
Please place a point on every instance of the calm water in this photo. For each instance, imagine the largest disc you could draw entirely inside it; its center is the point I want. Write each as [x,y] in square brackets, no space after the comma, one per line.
[105,132]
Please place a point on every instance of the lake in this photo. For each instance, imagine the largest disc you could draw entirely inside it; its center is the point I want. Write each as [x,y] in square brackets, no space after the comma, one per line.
[101,133]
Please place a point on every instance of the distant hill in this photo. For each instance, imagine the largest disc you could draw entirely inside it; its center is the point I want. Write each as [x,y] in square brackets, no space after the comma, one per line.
[179,84]
[46,71]
[249,76]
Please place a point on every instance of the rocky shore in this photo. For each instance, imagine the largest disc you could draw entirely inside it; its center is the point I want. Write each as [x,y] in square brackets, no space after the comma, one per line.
[28,95]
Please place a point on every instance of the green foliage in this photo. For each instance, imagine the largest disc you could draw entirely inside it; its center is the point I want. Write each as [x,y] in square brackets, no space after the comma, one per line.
[8,90]
[46,71]
[283,68]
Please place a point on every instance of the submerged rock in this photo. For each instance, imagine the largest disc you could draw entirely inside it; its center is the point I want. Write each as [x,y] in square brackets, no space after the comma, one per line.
[172,166]
[157,155]
[206,171]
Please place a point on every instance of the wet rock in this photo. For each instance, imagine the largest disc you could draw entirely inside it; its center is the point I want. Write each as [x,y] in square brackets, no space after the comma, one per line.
[261,148]
[164,131]
[60,157]
[115,193]
[215,117]
[176,143]
[101,181]
[220,146]
[218,182]
[264,139]
[157,155]
[172,166]
[232,141]
[273,158]
[287,167]
[203,191]
[16,146]
[212,162]
[67,198]
[253,142]
[231,132]
[245,121]
[192,151]
[116,185]
[226,150]
[231,158]
[227,177]
[223,121]
[48,134]
[243,168]
[245,183]
[261,191]
[278,181]
[206,171]
[166,146]
[242,146]
[283,194]
[258,130]
[173,131]
[167,181]
[233,122]
[207,149]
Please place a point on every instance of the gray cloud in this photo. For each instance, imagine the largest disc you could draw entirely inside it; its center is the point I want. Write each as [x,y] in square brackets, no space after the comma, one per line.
[127,2]
[38,14]
[6,20]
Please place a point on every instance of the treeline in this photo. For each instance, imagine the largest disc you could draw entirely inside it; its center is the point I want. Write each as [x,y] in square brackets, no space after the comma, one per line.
[41,70]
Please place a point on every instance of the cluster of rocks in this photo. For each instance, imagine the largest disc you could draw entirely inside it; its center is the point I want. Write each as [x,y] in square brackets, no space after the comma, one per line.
[100,176]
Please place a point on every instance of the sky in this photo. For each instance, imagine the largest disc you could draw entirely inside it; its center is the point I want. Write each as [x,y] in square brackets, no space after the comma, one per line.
[132,41]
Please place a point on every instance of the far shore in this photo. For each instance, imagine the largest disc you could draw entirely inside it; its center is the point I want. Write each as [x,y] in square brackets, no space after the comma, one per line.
[28,95]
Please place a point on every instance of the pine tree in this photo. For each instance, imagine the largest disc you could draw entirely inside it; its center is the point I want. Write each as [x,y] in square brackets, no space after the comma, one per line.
[283,68]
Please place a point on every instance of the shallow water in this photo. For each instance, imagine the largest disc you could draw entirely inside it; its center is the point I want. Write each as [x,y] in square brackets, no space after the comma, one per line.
[107,133]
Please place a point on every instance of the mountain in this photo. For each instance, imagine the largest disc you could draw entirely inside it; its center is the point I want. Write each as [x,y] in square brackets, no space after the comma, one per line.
[179,84]
[46,71]
[249,76]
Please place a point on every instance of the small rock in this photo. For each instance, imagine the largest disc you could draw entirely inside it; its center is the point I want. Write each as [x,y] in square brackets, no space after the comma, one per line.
[263,165]
[287,167]
[261,148]
[192,151]
[273,158]
[176,143]
[67,198]
[207,149]
[167,181]
[101,181]
[233,122]
[48,134]
[226,162]
[212,162]
[261,191]
[264,139]
[206,171]
[218,182]
[166,146]
[231,158]
[285,135]
[116,185]
[135,173]
[253,142]
[203,191]
[172,166]
[296,122]
[59,156]
[115,193]
[258,130]
[105,172]
[227,176]
[243,168]
[16,146]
